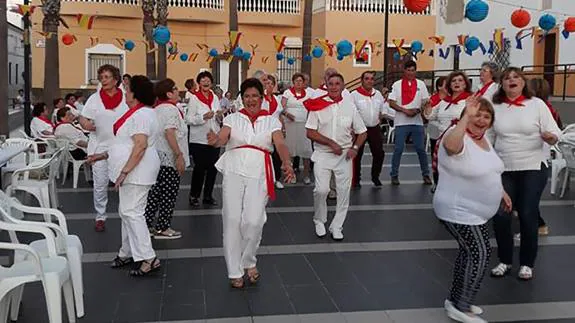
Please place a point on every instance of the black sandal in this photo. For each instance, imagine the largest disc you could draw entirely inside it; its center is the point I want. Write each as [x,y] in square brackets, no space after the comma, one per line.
[119,262]
[153,266]
[253,275]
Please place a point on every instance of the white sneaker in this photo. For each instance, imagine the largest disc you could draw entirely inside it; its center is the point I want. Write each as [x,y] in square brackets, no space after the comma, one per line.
[474,309]
[525,273]
[336,234]
[320,230]
[279,185]
[307,181]
[500,270]
[457,315]
[293,181]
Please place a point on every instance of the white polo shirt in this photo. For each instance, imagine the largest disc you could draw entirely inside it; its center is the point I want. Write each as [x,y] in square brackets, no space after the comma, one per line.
[370,108]
[400,118]
[199,127]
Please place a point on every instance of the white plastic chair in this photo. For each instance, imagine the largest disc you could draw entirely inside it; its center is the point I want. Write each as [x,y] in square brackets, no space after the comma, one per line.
[29,155]
[558,164]
[390,134]
[76,165]
[52,271]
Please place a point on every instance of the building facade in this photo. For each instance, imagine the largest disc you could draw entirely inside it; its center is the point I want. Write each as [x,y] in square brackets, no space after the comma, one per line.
[15,61]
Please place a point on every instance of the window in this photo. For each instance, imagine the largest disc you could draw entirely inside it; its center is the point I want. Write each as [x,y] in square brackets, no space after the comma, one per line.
[16,76]
[364,59]
[285,70]
[10,73]
[102,54]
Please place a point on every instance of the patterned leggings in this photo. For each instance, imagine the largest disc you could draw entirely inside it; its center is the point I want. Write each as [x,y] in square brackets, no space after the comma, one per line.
[470,264]
[162,198]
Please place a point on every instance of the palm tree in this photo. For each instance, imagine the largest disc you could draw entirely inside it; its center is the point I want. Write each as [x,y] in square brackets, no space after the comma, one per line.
[234,66]
[51,11]
[4,130]
[306,43]
[162,11]
[148,25]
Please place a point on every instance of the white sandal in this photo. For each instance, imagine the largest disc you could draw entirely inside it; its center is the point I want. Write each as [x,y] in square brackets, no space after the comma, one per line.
[525,273]
[476,310]
[500,270]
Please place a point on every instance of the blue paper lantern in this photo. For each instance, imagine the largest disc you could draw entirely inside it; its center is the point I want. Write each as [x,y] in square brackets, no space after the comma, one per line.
[247,56]
[340,57]
[129,45]
[184,57]
[547,22]
[472,43]
[476,10]
[291,61]
[344,48]
[396,56]
[307,58]
[213,52]
[279,56]
[161,35]
[416,46]
[238,52]
[317,52]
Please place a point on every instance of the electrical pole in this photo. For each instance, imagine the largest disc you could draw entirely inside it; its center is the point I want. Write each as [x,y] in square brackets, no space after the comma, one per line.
[27,70]
[4,127]
[385,42]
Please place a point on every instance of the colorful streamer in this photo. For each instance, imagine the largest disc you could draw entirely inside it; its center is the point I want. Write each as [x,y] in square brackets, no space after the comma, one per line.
[359,46]
[279,42]
[85,21]
[399,45]
[234,39]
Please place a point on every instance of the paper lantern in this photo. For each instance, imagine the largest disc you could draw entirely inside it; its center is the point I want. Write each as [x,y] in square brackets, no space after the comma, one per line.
[161,35]
[213,52]
[68,39]
[520,18]
[317,52]
[476,10]
[184,57]
[340,57]
[238,52]
[472,43]
[416,6]
[129,45]
[569,25]
[396,56]
[416,46]
[307,58]
[246,56]
[547,22]
[279,56]
[344,48]
[291,61]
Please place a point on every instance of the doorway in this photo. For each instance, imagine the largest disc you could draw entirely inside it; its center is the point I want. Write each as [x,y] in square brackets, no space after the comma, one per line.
[549,59]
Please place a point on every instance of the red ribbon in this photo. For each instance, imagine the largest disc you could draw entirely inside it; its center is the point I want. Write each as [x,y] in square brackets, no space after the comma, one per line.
[365,92]
[294,92]
[517,102]
[205,100]
[482,91]
[268,166]
[319,103]
[120,122]
[408,90]
[111,102]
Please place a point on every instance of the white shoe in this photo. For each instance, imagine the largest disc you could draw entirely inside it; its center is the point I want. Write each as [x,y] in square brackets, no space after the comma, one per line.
[525,273]
[320,230]
[336,234]
[457,315]
[293,181]
[474,309]
[279,185]
[307,181]
[500,270]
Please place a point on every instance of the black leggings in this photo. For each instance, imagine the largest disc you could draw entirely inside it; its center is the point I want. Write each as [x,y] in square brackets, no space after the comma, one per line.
[162,199]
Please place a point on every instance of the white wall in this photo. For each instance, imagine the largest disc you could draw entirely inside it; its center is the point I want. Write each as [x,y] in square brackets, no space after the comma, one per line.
[15,58]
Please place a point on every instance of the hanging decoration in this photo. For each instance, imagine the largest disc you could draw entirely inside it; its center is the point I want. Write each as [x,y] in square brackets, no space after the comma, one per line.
[523,33]
[202,46]
[23,9]
[461,39]
[68,39]
[265,59]
[317,52]
[326,45]
[340,57]
[471,44]
[184,57]
[94,40]
[438,40]
[247,56]
[476,10]
[344,48]
[498,39]
[234,39]
[568,27]
[279,56]
[416,6]
[399,45]
[445,53]
[396,56]
[279,42]
[547,22]
[173,50]
[307,58]
[416,46]
[85,21]
[520,18]
[161,35]
[129,45]
[359,46]
[238,52]
[213,52]
[291,60]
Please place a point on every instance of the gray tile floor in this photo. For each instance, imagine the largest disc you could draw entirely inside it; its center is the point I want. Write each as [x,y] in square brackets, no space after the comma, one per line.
[394,265]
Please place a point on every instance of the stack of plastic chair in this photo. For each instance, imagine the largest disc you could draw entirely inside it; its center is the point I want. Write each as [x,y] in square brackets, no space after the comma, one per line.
[559,163]
[30,155]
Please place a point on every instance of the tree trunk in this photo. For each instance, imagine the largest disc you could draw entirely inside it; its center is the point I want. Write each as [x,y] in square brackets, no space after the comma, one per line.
[148,26]
[234,65]
[4,128]
[162,11]
[306,41]
[51,10]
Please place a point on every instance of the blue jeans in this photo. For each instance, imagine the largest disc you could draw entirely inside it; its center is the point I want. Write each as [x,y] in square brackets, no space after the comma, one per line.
[417,136]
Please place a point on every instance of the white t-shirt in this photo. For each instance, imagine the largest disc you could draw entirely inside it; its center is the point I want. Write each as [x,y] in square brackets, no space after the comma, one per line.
[104,120]
[370,107]
[199,127]
[442,115]
[69,132]
[144,122]
[422,94]
[295,106]
[170,117]
[247,162]
[517,134]
[37,126]
[470,188]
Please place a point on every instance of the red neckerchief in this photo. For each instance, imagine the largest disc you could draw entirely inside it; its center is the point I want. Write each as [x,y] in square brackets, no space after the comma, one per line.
[45,120]
[268,166]
[272,103]
[474,136]
[158,102]
[517,102]
[205,100]
[111,102]
[408,91]
[456,100]
[435,99]
[320,103]
[554,112]
[300,96]
[365,92]
[252,117]
[482,91]
[120,122]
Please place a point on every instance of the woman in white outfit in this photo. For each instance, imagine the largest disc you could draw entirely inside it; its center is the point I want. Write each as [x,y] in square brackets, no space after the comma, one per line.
[272,103]
[488,77]
[134,164]
[295,117]
[249,137]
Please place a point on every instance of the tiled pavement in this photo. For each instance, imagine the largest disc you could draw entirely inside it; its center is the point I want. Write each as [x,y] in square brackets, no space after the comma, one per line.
[394,265]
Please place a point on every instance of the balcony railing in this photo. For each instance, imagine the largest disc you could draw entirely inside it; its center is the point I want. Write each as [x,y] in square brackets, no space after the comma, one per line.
[368,6]
[205,4]
[271,6]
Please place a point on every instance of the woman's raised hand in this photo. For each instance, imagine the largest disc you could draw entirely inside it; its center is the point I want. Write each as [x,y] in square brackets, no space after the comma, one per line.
[472,105]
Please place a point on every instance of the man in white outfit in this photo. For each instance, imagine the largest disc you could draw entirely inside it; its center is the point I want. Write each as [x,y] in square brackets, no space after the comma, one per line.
[331,125]
[100,113]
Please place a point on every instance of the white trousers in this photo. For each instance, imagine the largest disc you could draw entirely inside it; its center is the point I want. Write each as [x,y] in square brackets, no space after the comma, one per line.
[101,181]
[243,217]
[136,240]
[326,165]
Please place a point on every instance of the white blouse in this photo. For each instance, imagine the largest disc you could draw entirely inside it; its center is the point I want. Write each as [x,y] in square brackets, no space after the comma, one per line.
[71,133]
[295,106]
[199,127]
[144,122]
[278,111]
[38,126]
[247,162]
[170,117]
[442,115]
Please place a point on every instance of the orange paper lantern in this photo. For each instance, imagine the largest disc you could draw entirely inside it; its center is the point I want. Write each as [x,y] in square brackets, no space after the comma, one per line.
[416,6]
[68,39]
[570,25]
[520,18]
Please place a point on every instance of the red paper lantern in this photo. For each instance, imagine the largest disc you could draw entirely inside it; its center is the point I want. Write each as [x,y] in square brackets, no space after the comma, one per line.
[570,25]
[68,39]
[520,18]
[416,6]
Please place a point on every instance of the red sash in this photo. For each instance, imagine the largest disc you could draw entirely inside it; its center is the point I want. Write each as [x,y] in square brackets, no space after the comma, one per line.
[45,120]
[170,103]
[269,169]
[120,122]
[482,91]
[408,91]
[434,100]
[300,96]
[517,102]
[364,92]
[111,102]
[205,100]
[319,103]
[272,103]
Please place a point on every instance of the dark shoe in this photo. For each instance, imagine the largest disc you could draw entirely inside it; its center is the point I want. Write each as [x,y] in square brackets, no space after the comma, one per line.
[194,201]
[121,262]
[100,226]
[427,180]
[210,201]
[376,182]
[394,180]
[146,268]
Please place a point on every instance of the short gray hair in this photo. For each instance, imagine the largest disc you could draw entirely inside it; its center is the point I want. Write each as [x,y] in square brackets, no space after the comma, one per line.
[258,74]
[493,67]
